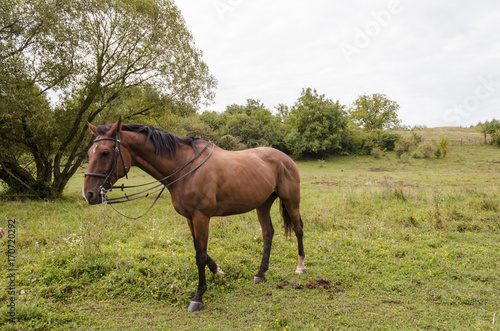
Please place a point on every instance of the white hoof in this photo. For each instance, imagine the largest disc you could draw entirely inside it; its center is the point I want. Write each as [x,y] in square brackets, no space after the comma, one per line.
[258,280]
[300,266]
[220,272]
[195,306]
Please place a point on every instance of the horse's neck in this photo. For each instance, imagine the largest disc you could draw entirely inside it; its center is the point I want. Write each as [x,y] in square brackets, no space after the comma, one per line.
[144,156]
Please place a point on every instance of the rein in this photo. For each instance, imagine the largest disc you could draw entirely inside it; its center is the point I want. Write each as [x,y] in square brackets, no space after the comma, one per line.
[135,196]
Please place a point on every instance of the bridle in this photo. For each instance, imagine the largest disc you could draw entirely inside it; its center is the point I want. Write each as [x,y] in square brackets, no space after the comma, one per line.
[107,186]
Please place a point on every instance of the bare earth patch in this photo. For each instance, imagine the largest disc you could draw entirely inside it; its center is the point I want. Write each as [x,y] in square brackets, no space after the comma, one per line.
[378,170]
[326,183]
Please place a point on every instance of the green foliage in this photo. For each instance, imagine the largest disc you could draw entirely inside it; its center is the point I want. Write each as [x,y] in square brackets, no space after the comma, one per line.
[360,142]
[316,125]
[387,140]
[438,153]
[103,59]
[416,138]
[377,152]
[414,146]
[492,128]
[443,146]
[374,112]
[250,125]
[425,150]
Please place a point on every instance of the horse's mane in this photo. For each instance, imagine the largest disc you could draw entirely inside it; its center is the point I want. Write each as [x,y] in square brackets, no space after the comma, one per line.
[163,141]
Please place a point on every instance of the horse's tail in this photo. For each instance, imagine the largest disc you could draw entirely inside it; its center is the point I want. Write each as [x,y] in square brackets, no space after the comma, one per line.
[286,219]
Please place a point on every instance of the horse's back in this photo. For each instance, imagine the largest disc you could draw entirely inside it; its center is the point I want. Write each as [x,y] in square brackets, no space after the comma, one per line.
[266,162]
[277,161]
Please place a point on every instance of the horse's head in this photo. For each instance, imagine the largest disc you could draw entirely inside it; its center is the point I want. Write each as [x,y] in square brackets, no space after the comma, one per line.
[108,162]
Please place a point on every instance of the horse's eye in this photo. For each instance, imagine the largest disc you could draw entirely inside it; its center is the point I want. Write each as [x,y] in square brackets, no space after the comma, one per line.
[105,153]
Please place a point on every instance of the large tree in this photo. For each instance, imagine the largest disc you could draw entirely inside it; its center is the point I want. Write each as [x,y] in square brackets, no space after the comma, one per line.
[316,124]
[374,112]
[88,53]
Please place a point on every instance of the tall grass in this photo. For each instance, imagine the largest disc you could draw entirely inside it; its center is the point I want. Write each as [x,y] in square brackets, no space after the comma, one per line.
[406,244]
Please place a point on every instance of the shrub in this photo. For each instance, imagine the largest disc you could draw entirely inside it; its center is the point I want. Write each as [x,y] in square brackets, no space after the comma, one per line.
[399,150]
[376,152]
[495,138]
[231,143]
[438,153]
[443,146]
[387,140]
[352,141]
[406,144]
[426,150]
[416,138]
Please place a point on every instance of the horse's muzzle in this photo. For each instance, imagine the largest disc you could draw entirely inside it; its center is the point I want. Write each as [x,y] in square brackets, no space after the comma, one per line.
[92,198]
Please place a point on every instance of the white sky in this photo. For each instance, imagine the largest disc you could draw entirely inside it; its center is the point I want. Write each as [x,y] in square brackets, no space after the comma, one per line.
[439,59]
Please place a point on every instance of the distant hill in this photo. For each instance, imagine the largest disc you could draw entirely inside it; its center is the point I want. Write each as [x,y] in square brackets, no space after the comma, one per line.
[456,135]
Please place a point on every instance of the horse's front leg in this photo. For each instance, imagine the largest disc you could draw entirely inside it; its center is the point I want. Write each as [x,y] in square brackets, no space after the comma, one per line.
[199,228]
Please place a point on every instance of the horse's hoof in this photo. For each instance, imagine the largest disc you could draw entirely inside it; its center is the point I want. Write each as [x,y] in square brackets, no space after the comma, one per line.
[219,272]
[195,306]
[300,266]
[258,280]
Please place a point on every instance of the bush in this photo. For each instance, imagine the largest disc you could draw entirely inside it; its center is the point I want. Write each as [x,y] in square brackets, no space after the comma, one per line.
[230,143]
[495,138]
[493,129]
[377,152]
[425,150]
[399,150]
[352,141]
[387,140]
[438,153]
[443,146]
[407,144]
[416,138]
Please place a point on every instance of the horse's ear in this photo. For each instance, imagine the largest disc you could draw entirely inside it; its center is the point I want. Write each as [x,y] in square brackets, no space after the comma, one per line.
[117,127]
[92,128]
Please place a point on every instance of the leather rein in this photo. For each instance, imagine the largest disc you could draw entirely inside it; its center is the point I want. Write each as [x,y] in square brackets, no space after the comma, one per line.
[107,186]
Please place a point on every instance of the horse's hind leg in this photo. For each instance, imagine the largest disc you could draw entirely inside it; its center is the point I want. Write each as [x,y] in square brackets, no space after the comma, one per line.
[263,212]
[291,216]
[300,234]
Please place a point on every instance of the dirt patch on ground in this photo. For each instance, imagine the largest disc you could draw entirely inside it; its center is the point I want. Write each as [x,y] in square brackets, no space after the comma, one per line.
[401,184]
[325,283]
[398,184]
[377,170]
[326,183]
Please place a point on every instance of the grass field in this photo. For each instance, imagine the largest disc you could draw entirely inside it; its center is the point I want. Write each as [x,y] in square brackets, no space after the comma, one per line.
[390,243]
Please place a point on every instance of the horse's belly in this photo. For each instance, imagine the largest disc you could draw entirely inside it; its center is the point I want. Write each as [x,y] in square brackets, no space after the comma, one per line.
[242,198]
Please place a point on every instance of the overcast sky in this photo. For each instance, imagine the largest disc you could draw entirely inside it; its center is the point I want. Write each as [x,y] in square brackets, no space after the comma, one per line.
[439,59]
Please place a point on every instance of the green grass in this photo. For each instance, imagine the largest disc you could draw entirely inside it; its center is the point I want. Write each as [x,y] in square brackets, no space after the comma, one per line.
[456,135]
[406,243]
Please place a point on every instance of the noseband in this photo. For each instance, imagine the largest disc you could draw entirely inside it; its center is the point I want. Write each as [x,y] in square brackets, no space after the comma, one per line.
[106,185]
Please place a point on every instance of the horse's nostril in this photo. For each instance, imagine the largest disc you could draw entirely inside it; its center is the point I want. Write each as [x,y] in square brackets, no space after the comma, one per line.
[90,195]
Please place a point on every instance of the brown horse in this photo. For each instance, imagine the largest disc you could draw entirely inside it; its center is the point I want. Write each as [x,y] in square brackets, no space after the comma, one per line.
[204,181]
